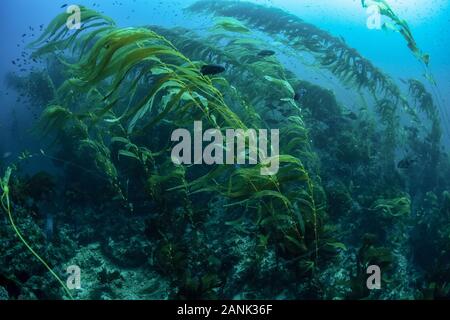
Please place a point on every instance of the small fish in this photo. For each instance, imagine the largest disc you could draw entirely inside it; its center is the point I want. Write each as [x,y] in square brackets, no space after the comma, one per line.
[406,163]
[299,95]
[63,6]
[211,69]
[266,53]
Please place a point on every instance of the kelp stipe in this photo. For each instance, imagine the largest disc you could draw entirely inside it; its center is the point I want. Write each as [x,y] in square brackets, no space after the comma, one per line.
[7,208]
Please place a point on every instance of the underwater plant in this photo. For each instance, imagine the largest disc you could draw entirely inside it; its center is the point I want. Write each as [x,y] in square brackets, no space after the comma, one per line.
[424,102]
[398,25]
[226,231]
[331,52]
[132,82]
[7,208]
[345,62]
[397,207]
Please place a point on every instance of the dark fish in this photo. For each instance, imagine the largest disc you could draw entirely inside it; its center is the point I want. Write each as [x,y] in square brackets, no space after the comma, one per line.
[300,94]
[406,163]
[63,6]
[266,53]
[211,69]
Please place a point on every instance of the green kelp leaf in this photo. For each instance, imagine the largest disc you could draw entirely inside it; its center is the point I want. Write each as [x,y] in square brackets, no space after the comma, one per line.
[248,42]
[5,180]
[237,224]
[128,154]
[231,25]
[294,241]
[186,96]
[272,194]
[149,105]
[429,78]
[259,196]
[263,240]
[300,220]
[291,102]
[85,40]
[112,120]
[276,219]
[389,27]
[58,28]
[160,70]
[170,105]
[398,25]
[337,245]
[282,83]
[201,98]
[54,117]
[120,139]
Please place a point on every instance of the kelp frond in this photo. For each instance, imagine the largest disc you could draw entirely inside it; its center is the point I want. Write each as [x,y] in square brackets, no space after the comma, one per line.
[399,25]
[125,60]
[231,25]
[57,35]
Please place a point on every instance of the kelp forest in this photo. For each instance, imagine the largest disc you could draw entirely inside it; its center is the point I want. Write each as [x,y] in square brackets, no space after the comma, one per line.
[359,184]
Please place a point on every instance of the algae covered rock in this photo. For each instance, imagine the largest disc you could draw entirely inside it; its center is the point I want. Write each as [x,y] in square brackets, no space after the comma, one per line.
[3,294]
